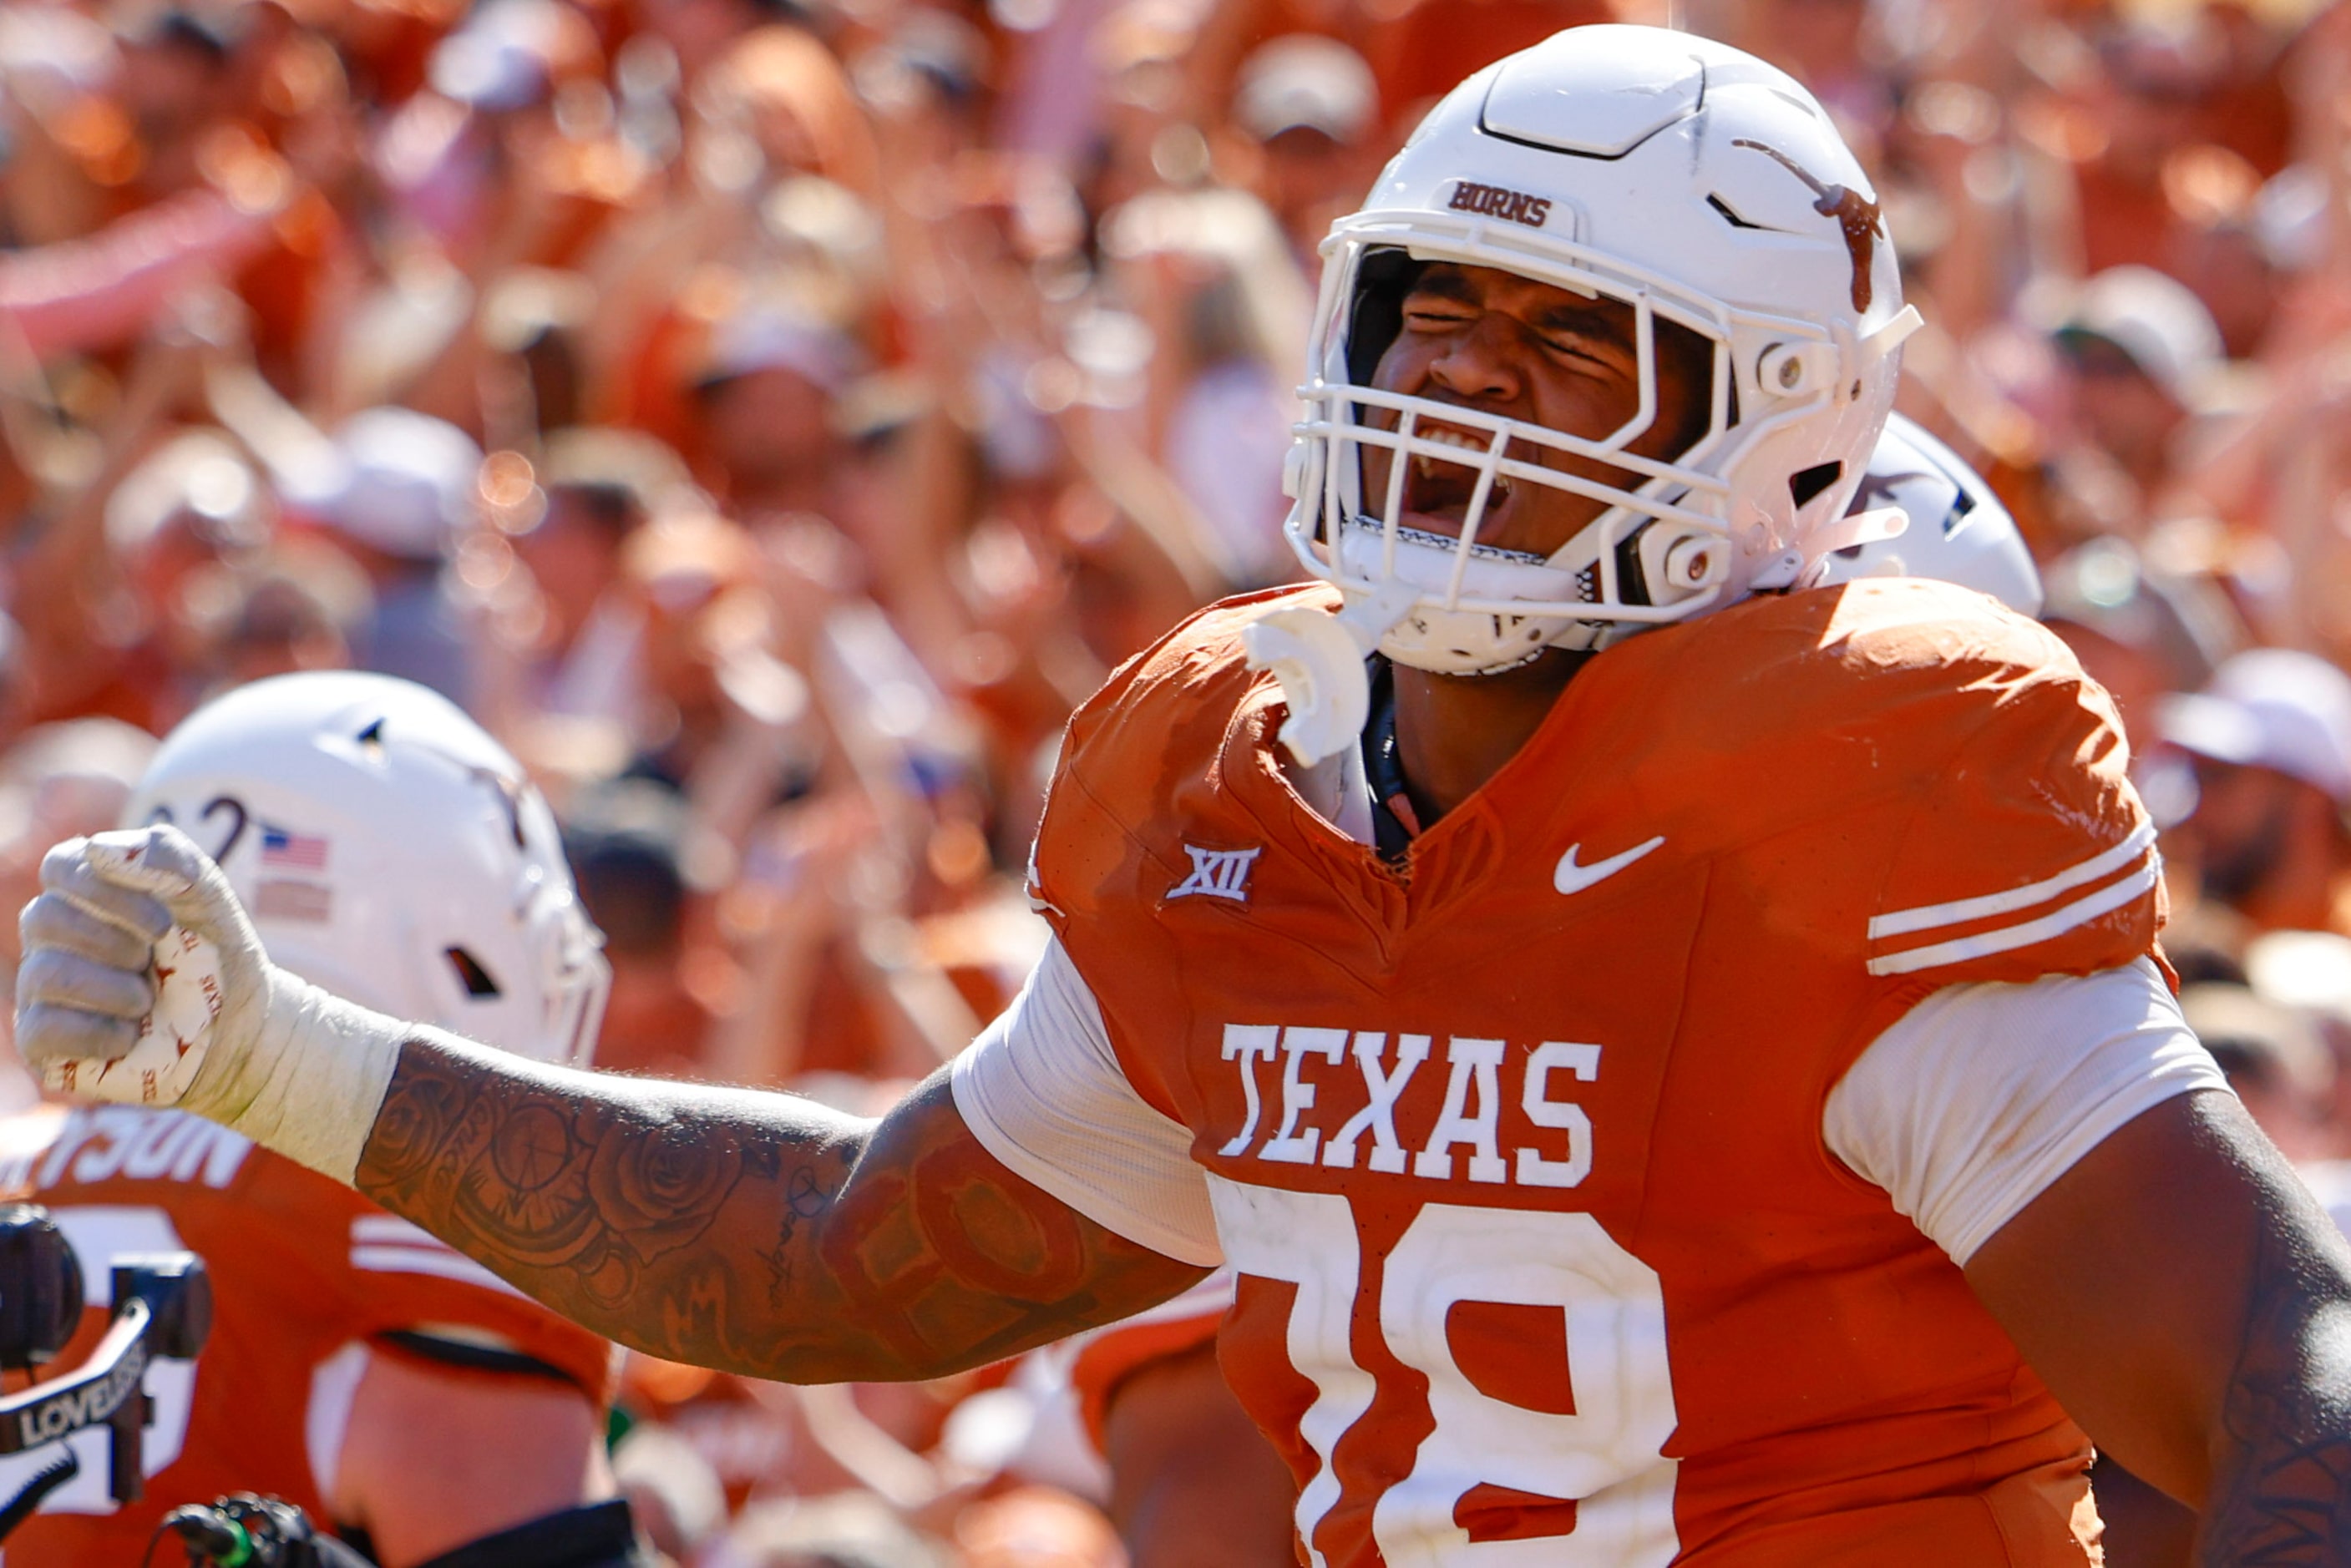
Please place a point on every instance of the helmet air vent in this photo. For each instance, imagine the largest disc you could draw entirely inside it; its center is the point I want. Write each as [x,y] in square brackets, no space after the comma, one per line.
[1732,217]
[472,975]
[1806,483]
[372,738]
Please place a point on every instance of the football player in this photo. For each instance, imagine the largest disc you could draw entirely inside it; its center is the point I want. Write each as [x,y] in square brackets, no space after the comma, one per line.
[1190,1481]
[1677,1058]
[391,850]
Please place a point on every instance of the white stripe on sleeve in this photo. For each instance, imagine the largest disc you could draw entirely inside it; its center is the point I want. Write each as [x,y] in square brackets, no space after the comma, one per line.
[2008,939]
[1926,917]
[387,1245]
[1043,1092]
[1982,1096]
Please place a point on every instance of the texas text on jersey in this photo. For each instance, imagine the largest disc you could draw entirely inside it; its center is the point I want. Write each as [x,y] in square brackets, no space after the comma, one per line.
[1516,1146]
[308,1280]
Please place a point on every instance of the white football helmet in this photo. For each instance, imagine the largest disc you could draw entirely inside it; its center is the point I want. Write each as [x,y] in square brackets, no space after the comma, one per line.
[390,851]
[1696,185]
[1958,532]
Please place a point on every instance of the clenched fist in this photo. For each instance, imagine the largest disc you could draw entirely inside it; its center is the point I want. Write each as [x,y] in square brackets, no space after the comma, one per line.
[144,981]
[137,958]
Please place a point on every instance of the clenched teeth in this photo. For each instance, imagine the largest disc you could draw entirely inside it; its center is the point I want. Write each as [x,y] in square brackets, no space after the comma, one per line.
[1423,465]
[1438,435]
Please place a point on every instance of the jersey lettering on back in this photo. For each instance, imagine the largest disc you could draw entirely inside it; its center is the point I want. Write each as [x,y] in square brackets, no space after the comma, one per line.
[305,1273]
[102,1143]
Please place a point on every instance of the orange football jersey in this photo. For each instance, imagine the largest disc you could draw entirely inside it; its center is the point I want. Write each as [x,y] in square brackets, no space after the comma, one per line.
[303,1269]
[1516,1147]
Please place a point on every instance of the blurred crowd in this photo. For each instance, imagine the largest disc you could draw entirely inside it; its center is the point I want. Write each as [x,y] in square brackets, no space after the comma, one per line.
[770,417]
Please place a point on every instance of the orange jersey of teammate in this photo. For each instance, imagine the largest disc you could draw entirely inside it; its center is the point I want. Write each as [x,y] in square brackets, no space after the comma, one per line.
[307,1277]
[1102,1359]
[1517,1149]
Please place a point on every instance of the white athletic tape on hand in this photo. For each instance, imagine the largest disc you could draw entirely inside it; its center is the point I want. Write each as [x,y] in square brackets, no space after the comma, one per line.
[230,1037]
[172,1039]
[311,1081]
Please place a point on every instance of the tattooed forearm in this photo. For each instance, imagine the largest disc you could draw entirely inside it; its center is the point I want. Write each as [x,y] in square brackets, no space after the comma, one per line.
[2280,1492]
[751,1231]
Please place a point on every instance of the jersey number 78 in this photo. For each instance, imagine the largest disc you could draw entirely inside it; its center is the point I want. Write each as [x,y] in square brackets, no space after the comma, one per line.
[1606,1456]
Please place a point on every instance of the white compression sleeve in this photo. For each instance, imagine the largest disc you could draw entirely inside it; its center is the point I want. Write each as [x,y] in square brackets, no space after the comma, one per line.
[1982,1096]
[1043,1092]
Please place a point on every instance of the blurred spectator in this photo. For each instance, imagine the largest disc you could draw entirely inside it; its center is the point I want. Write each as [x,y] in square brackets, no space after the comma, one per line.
[1210,272]
[765,394]
[2273,1061]
[694,571]
[56,781]
[600,486]
[2140,348]
[401,493]
[2144,103]
[177,81]
[1033,1527]
[2140,633]
[2309,972]
[184,522]
[677,1498]
[624,843]
[296,606]
[2271,739]
[1310,105]
[831,1532]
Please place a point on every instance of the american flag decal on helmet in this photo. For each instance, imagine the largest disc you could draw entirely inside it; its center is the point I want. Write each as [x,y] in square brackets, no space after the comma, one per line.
[296,851]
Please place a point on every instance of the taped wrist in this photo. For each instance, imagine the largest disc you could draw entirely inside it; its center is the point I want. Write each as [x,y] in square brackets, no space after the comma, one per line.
[312,1081]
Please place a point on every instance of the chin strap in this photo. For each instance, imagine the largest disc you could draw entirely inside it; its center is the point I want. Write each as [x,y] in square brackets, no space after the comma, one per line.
[1873,526]
[1794,568]
[1319,658]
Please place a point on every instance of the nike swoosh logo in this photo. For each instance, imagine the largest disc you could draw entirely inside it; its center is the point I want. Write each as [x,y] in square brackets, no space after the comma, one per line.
[1572,878]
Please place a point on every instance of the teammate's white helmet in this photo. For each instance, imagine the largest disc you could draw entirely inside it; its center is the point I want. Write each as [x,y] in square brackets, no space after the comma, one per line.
[1694,183]
[1958,532]
[392,852]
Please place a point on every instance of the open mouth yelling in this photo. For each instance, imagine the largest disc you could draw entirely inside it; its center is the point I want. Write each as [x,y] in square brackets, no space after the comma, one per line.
[1438,491]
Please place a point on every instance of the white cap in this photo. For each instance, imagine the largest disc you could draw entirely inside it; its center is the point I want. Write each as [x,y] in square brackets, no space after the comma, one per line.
[2250,1031]
[2290,217]
[200,472]
[2309,970]
[50,55]
[767,336]
[1305,80]
[507,55]
[70,776]
[2156,320]
[403,483]
[2271,708]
